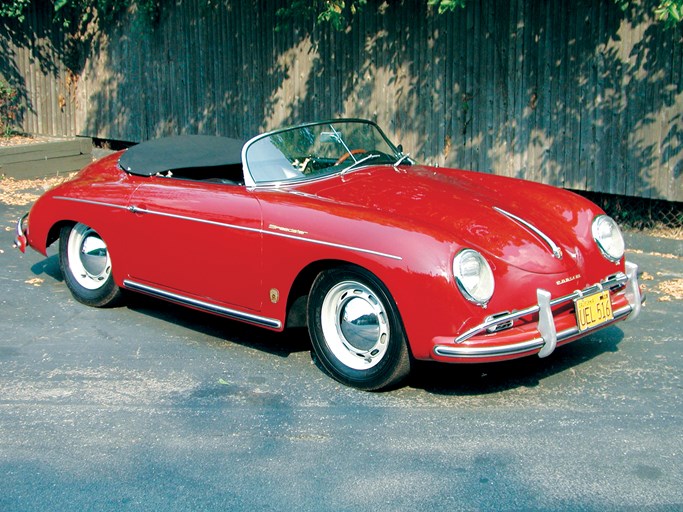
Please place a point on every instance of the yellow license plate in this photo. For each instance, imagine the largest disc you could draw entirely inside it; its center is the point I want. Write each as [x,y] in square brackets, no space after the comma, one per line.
[593,310]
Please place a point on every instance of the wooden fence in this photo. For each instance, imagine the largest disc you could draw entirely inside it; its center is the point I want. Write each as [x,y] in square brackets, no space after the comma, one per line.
[575,93]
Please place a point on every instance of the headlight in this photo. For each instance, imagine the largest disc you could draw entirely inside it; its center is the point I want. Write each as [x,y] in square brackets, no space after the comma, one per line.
[608,237]
[473,275]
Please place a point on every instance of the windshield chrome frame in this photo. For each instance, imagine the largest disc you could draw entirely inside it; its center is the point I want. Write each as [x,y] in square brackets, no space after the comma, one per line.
[248,178]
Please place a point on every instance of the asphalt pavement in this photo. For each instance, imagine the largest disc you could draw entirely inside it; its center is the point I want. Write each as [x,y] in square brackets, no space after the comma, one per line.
[150,406]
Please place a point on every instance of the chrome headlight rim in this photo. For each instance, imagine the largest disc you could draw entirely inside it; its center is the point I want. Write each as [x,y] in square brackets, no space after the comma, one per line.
[480,290]
[612,246]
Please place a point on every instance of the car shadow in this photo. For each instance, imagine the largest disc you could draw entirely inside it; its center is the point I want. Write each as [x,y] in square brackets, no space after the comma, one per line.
[527,372]
[437,378]
[281,344]
[227,331]
[50,267]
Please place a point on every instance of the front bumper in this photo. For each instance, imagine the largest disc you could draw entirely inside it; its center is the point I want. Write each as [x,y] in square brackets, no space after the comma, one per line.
[552,323]
[21,236]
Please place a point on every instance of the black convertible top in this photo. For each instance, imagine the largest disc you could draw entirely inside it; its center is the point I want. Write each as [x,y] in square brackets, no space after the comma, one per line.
[181,152]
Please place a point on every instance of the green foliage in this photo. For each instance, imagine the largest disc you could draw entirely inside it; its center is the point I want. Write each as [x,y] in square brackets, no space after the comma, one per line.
[447,5]
[9,108]
[670,12]
[335,12]
[338,13]
[76,14]
[14,9]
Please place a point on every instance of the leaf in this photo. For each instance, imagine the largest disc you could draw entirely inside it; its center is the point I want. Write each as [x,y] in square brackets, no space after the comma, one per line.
[59,4]
[447,5]
[670,12]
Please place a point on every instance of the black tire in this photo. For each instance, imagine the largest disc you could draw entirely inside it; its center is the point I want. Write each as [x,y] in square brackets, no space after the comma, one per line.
[356,331]
[86,266]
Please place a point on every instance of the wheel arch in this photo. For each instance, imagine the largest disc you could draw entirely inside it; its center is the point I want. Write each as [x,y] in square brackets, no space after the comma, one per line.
[53,232]
[301,287]
[296,315]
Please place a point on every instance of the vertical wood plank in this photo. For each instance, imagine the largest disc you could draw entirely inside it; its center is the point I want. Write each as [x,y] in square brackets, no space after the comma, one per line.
[572,93]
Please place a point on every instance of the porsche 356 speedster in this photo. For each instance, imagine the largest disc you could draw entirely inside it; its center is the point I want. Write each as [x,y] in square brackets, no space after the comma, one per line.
[331,225]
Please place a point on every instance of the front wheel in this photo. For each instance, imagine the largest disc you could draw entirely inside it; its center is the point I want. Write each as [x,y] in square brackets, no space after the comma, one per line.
[356,330]
[86,266]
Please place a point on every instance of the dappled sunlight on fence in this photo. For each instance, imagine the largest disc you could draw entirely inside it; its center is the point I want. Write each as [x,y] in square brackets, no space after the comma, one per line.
[577,94]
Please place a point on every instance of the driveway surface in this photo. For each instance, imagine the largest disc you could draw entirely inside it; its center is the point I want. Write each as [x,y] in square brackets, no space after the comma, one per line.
[153,407]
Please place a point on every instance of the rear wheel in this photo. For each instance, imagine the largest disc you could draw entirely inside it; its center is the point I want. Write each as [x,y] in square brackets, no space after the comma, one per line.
[356,330]
[86,266]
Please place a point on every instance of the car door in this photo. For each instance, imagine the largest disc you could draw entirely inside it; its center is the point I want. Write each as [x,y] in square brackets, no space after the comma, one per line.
[197,239]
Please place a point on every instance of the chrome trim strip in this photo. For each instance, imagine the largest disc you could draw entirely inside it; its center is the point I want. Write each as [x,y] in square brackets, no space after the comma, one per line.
[549,338]
[88,201]
[557,251]
[272,233]
[331,244]
[618,313]
[204,306]
[135,209]
[516,348]
[613,281]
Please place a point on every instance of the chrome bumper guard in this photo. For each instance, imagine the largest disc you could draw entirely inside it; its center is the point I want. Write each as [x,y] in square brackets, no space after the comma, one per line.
[20,235]
[548,335]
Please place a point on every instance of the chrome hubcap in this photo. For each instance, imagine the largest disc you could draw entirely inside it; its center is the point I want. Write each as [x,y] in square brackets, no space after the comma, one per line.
[88,257]
[355,325]
[94,255]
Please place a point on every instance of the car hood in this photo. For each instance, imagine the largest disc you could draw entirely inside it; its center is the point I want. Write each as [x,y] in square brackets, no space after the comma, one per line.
[534,227]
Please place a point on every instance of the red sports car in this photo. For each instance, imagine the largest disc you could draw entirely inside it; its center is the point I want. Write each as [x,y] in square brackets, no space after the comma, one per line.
[329,224]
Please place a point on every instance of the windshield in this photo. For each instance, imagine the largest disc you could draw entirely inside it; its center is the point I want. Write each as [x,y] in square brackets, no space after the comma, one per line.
[314,150]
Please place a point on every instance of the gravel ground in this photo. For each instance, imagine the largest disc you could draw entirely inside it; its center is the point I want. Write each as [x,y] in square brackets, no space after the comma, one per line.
[150,406]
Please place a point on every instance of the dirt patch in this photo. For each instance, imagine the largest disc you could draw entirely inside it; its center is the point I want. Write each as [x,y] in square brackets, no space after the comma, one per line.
[675,233]
[671,290]
[653,253]
[22,140]
[23,192]
[666,291]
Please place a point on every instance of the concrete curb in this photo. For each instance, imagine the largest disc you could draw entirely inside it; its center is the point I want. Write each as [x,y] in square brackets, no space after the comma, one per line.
[40,159]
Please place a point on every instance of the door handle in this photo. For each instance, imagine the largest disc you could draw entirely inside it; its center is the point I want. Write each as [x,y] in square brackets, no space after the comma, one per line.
[135,209]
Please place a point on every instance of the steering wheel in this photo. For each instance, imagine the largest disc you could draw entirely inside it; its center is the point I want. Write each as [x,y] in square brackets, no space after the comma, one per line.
[352,152]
